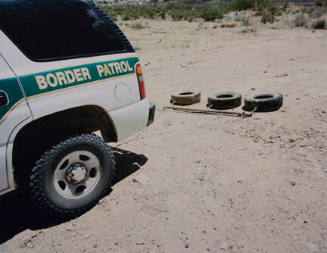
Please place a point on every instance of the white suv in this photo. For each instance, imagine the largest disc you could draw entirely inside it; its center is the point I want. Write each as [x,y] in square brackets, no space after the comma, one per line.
[66,71]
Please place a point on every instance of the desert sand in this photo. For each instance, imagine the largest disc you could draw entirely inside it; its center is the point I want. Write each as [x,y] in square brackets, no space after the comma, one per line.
[205,183]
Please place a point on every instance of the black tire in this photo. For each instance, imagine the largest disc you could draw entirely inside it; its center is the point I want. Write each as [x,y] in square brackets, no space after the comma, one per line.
[43,188]
[263,102]
[186,98]
[224,100]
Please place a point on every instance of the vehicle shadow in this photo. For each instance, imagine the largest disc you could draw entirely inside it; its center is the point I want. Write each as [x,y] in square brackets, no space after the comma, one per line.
[18,214]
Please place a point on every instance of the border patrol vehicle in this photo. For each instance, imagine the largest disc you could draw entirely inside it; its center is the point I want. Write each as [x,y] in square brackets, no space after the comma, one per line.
[66,71]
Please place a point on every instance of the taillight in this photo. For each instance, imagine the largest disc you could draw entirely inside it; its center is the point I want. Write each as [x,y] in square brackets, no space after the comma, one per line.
[139,74]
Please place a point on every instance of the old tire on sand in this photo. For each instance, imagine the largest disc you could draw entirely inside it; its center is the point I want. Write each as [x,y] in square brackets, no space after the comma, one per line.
[263,102]
[186,98]
[224,100]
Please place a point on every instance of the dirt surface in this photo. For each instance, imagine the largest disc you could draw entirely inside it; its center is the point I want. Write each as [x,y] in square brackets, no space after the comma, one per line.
[204,183]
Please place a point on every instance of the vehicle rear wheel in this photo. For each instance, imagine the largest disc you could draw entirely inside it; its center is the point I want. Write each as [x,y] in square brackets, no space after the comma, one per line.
[72,176]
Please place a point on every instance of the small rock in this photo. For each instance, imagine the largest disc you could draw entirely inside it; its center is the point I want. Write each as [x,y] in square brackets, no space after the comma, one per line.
[95,246]
[223,245]
[291,140]
[27,242]
[282,75]
[69,227]
[187,246]
[87,236]
[293,183]
[30,245]
[265,71]
[141,179]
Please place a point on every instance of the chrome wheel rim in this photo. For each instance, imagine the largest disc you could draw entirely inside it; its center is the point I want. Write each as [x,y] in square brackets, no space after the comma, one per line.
[77,174]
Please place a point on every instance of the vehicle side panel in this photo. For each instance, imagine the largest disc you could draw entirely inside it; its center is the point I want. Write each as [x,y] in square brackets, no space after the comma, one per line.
[11,115]
[59,89]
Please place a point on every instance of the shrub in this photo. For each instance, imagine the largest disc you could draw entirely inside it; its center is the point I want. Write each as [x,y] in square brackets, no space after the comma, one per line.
[172,6]
[309,10]
[132,14]
[138,26]
[191,1]
[249,30]
[213,11]
[258,13]
[319,24]
[246,22]
[125,17]
[163,14]
[179,14]
[149,12]
[241,17]
[317,12]
[267,17]
[231,25]
[263,4]
[279,12]
[240,5]
[299,20]
[112,14]
[272,10]
[319,3]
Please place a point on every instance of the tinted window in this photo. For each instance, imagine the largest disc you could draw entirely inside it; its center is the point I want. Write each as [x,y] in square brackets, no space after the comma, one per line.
[56,29]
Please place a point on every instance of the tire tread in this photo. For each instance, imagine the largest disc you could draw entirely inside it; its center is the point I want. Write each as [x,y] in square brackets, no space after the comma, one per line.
[36,183]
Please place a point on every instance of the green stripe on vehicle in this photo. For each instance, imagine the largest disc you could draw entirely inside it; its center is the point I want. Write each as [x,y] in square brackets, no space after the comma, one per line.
[44,82]
[55,80]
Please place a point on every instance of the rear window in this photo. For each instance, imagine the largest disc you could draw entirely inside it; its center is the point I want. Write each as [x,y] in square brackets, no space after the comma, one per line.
[59,29]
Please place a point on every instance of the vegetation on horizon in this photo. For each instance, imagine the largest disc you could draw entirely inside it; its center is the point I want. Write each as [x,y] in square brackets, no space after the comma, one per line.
[216,11]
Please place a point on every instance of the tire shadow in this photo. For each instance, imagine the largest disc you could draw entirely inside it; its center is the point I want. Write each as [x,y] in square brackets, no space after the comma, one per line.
[18,214]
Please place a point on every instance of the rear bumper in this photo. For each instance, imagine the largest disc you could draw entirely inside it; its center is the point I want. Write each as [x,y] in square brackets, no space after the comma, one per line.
[152,109]
[130,119]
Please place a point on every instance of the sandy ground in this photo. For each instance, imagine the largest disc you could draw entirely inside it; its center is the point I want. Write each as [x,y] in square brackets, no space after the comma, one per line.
[202,183]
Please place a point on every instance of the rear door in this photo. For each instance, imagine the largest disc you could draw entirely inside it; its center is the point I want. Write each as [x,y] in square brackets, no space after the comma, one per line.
[13,110]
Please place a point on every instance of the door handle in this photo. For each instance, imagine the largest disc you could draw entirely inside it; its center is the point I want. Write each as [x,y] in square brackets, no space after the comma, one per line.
[4,100]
